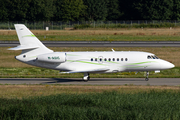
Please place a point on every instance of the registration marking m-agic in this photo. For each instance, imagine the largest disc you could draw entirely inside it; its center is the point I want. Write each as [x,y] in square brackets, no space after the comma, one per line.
[35,53]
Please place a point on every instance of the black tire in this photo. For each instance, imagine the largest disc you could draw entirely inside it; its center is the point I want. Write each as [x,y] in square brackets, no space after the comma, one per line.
[87,79]
[146,79]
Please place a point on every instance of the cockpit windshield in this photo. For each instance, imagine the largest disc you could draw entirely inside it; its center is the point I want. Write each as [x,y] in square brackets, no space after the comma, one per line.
[156,57]
[152,57]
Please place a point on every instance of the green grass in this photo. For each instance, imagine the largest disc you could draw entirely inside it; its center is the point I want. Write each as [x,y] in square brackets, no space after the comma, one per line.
[150,105]
[109,38]
[123,34]
[34,72]
[96,38]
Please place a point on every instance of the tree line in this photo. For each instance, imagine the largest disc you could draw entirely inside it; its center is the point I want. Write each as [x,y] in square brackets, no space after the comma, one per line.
[88,10]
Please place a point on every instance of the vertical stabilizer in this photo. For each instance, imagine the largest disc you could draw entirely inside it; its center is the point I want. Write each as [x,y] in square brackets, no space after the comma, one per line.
[29,44]
[28,40]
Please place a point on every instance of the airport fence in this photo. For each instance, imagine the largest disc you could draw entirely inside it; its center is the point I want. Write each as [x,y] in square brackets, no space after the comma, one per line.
[52,25]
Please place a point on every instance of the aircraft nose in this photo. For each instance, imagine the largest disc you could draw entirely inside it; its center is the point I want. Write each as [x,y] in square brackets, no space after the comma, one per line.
[166,65]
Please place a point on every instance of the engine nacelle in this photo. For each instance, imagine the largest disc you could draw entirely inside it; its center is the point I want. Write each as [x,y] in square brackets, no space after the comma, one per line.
[56,57]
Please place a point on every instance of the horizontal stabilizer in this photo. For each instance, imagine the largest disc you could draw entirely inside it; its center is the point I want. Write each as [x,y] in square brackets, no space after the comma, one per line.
[88,71]
[24,47]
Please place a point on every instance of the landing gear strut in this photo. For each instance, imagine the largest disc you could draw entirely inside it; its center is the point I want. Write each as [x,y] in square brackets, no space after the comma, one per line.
[86,77]
[147,74]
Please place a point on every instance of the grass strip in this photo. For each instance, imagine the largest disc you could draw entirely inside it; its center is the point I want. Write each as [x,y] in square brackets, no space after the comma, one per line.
[9,91]
[48,73]
[147,34]
[107,105]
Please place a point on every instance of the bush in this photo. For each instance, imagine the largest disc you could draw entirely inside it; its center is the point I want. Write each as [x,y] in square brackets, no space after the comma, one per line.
[134,25]
[82,26]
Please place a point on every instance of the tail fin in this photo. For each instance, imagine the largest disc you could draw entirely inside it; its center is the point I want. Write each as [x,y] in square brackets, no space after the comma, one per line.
[28,40]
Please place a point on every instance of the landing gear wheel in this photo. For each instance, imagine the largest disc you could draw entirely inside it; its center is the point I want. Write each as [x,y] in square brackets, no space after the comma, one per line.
[86,77]
[147,74]
[146,79]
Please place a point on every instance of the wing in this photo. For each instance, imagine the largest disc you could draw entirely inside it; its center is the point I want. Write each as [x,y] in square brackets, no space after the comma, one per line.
[89,71]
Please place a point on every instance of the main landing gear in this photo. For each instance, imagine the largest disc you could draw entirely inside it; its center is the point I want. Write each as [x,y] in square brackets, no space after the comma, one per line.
[86,77]
[147,74]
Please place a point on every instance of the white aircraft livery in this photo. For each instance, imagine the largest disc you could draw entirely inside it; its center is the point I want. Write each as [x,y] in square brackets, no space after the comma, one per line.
[36,54]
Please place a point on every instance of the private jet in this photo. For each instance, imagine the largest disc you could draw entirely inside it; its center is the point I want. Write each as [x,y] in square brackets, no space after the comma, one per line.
[36,54]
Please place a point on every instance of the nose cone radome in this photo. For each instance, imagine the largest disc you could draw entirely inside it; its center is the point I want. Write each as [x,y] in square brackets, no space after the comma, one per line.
[166,65]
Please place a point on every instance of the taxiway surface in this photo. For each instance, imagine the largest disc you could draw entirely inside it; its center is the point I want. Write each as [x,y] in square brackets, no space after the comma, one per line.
[93,81]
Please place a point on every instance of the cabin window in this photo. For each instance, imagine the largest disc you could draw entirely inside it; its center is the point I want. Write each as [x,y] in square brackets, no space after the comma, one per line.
[117,59]
[121,59]
[100,59]
[113,59]
[95,59]
[91,59]
[126,59]
[24,56]
[105,59]
[109,59]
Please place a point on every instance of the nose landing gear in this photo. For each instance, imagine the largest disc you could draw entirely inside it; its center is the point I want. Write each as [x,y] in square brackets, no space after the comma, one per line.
[147,74]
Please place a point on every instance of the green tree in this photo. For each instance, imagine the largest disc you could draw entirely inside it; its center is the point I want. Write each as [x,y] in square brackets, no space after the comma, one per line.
[129,12]
[40,10]
[17,9]
[3,11]
[69,10]
[176,10]
[96,9]
[113,10]
[154,9]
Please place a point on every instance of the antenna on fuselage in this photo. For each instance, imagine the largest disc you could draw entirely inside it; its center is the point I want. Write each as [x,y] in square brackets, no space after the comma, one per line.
[113,50]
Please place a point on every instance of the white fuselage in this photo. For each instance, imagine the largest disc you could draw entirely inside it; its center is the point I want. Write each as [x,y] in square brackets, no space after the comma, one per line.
[113,61]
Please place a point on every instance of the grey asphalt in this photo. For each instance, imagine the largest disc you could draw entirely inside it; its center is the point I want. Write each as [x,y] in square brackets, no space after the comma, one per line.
[99,44]
[93,81]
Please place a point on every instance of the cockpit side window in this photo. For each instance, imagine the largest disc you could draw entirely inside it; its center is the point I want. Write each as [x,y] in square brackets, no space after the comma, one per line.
[149,57]
[156,57]
[152,57]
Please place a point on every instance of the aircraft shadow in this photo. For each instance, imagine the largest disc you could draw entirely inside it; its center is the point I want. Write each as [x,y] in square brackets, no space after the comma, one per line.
[65,80]
[62,80]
